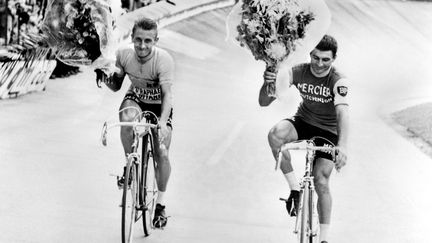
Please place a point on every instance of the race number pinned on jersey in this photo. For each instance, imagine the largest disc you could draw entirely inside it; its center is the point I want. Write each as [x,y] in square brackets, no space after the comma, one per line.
[342,91]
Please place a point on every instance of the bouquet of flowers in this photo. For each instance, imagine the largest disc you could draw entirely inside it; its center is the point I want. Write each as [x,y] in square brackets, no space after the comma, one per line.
[273,29]
[269,28]
[80,31]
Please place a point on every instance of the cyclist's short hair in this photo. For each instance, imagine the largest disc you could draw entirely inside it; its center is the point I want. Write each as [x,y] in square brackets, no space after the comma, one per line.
[145,24]
[328,43]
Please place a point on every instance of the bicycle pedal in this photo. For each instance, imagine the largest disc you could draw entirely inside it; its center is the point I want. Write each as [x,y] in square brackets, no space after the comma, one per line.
[283,199]
[141,208]
[158,222]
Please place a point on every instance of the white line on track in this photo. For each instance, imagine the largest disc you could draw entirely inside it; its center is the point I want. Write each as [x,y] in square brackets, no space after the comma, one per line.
[226,144]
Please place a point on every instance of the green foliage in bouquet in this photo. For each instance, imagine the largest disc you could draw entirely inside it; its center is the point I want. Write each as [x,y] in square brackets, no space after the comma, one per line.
[270,28]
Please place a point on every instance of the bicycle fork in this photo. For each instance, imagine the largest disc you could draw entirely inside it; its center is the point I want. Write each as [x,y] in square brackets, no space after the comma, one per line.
[307,199]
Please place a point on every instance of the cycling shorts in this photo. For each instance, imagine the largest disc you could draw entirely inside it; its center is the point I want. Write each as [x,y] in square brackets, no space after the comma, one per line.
[307,131]
[155,108]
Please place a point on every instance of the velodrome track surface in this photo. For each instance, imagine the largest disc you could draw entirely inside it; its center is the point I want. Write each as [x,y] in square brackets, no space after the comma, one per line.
[55,184]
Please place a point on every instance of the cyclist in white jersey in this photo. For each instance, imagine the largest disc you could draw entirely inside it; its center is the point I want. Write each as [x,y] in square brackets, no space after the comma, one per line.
[151,71]
[323,112]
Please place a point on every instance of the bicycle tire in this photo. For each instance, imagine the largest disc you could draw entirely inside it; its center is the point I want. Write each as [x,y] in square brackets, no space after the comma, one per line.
[149,185]
[128,203]
[310,222]
[304,217]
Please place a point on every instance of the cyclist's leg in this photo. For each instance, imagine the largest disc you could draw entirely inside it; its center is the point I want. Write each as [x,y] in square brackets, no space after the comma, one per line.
[281,133]
[322,171]
[163,170]
[127,115]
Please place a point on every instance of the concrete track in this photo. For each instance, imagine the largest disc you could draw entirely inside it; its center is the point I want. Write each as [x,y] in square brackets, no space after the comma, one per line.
[55,184]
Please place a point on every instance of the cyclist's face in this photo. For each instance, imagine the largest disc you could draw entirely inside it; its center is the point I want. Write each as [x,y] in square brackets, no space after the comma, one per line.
[144,40]
[321,61]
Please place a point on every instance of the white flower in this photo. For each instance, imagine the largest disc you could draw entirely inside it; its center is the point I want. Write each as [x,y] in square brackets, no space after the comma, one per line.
[253,25]
[276,51]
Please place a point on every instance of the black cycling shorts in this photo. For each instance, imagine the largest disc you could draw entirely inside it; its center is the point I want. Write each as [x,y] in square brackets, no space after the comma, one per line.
[307,131]
[155,108]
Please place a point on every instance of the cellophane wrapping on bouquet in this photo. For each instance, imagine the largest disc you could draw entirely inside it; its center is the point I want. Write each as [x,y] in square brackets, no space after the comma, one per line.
[278,32]
[82,32]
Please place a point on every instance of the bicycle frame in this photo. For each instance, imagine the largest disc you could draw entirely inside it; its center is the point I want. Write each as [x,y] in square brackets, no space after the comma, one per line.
[136,173]
[307,199]
[306,226]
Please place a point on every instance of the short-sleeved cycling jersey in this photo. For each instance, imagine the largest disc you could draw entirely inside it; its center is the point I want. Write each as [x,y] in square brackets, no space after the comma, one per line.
[146,76]
[319,95]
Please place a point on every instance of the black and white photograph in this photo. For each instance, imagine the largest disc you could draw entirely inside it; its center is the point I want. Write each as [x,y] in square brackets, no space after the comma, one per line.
[215,121]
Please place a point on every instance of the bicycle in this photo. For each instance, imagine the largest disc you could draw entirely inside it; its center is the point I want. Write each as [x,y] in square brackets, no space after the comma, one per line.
[307,222]
[139,185]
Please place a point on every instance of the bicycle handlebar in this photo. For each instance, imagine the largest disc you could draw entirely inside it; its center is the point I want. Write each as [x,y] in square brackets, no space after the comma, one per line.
[106,127]
[303,146]
[131,124]
[299,146]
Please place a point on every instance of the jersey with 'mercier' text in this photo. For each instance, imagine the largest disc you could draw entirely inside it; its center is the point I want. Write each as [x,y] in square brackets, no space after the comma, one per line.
[319,95]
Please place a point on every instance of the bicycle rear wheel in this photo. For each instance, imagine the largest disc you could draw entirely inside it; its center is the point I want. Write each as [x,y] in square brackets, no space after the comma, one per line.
[129,202]
[149,193]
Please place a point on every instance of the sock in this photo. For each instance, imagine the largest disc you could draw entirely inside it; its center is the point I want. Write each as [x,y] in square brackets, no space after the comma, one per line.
[324,229]
[292,181]
[160,198]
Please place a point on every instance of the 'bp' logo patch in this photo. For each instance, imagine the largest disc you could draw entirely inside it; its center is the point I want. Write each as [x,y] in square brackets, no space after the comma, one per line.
[342,90]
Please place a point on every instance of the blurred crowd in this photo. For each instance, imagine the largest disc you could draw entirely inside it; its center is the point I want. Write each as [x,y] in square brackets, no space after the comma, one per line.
[131,5]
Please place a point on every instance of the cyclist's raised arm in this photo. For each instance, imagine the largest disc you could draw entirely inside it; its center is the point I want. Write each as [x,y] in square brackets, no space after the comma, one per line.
[118,73]
[115,82]
[283,75]
[264,99]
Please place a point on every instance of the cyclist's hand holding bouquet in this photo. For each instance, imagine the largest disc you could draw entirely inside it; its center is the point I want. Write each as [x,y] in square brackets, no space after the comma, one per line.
[105,71]
[279,32]
[270,79]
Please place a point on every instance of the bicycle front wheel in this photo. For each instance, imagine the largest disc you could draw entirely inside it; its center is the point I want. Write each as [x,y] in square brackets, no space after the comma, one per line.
[305,234]
[148,184]
[129,202]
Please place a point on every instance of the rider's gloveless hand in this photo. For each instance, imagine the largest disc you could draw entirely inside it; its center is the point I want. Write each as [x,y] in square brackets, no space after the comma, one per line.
[163,132]
[269,77]
[341,158]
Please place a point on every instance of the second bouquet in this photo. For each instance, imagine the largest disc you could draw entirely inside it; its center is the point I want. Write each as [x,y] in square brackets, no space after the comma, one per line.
[270,29]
